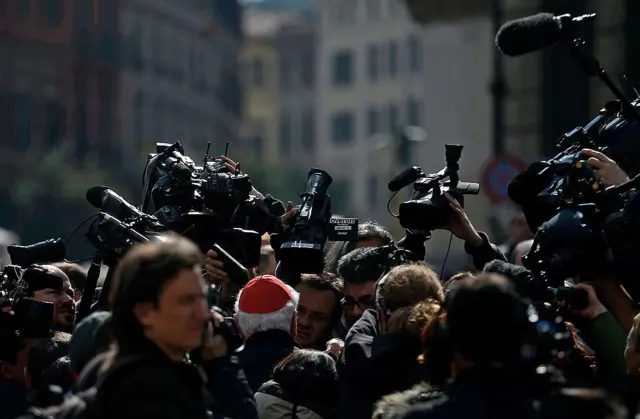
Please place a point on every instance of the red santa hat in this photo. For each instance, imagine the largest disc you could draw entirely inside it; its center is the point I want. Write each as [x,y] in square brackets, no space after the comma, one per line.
[264,294]
[266,303]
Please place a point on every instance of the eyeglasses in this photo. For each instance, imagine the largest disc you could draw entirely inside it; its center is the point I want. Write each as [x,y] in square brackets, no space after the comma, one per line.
[365,302]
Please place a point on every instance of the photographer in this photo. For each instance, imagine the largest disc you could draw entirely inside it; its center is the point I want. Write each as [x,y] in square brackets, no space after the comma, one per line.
[487,326]
[48,283]
[159,311]
[379,357]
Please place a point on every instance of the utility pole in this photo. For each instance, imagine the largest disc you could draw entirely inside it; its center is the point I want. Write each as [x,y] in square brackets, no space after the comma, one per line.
[498,86]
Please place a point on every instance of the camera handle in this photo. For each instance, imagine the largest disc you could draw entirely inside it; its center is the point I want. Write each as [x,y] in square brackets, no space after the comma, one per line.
[592,68]
[84,308]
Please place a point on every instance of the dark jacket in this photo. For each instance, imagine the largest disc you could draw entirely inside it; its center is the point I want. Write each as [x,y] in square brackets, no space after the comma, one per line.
[275,403]
[157,387]
[373,365]
[262,351]
[485,253]
[480,394]
[14,400]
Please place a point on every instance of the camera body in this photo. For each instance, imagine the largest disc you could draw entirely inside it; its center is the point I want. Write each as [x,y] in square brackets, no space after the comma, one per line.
[208,204]
[429,209]
[583,228]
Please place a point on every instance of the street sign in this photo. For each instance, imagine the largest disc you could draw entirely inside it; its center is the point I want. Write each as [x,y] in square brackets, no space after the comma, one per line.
[497,174]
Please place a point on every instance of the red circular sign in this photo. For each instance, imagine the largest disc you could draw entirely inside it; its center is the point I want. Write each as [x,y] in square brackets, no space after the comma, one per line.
[497,174]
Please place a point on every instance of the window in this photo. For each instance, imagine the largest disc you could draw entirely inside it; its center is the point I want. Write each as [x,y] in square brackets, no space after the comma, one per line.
[192,66]
[284,144]
[138,118]
[372,121]
[54,123]
[373,9]
[22,118]
[372,191]
[342,68]
[372,62]
[135,46]
[340,195]
[22,8]
[257,72]
[156,52]
[393,119]
[393,58]
[415,55]
[343,127]
[285,73]
[158,118]
[308,130]
[414,110]
[307,69]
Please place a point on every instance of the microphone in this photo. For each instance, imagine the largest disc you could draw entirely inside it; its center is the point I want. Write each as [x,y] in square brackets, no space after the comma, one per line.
[522,36]
[111,203]
[404,178]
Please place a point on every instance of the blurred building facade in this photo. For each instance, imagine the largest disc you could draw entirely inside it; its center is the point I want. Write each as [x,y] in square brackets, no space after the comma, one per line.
[58,75]
[278,73]
[180,80]
[379,72]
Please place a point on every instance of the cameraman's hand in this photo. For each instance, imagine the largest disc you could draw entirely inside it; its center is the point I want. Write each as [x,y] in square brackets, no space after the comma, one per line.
[233,167]
[606,169]
[214,346]
[460,226]
[215,272]
[289,217]
[335,347]
[595,307]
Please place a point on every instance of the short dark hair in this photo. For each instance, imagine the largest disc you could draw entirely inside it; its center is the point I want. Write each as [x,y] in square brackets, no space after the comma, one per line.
[487,321]
[44,353]
[308,375]
[76,273]
[369,230]
[326,282]
[140,278]
[362,265]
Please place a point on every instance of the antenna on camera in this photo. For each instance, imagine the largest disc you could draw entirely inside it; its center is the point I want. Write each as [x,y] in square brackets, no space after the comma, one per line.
[226,149]
[630,84]
[206,154]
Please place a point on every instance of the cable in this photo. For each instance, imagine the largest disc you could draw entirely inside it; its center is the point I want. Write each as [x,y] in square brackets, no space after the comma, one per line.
[389,205]
[446,256]
[75,230]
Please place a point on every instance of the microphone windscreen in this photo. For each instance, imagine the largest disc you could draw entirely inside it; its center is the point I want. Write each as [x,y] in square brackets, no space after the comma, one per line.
[404,178]
[528,34]
[95,195]
[182,171]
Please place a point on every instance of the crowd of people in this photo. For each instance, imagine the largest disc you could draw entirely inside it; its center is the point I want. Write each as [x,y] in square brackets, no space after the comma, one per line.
[377,334]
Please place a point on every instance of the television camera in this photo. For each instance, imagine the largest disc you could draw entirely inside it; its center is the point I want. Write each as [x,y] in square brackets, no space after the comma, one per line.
[429,209]
[20,316]
[302,248]
[583,228]
[208,203]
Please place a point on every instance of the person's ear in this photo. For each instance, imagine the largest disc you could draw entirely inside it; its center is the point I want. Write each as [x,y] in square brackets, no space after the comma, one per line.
[144,313]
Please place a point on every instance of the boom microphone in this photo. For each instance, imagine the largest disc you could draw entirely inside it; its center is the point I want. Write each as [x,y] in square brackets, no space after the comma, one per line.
[111,203]
[404,178]
[522,36]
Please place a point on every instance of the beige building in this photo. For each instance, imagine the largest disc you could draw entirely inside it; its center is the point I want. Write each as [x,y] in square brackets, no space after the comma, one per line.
[261,63]
[378,72]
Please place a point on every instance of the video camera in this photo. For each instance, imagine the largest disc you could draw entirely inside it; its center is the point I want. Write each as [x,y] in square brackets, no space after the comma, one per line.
[429,209]
[209,205]
[302,251]
[20,316]
[584,229]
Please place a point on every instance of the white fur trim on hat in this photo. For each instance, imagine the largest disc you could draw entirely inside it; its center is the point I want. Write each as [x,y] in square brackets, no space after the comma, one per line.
[278,320]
